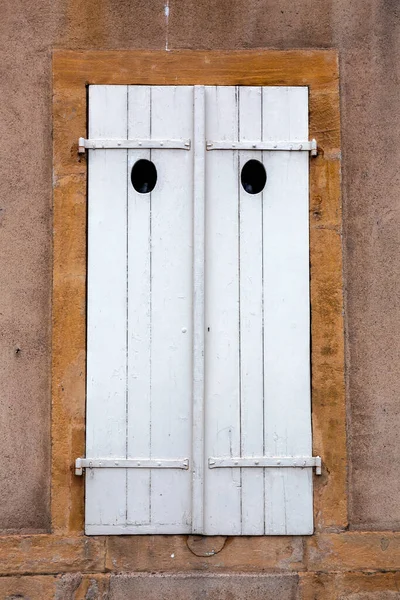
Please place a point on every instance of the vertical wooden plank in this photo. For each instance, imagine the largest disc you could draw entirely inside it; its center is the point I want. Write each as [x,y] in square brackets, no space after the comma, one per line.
[198,310]
[107,305]
[222,486]
[171,308]
[251,319]
[288,492]
[139,314]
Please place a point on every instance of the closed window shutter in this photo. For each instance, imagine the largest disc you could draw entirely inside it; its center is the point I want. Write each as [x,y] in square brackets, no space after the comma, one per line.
[198,315]
[139,302]
[257,312]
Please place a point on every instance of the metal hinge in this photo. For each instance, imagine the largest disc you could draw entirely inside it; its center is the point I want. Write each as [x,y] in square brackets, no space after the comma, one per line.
[90,144]
[301,462]
[295,146]
[142,144]
[130,463]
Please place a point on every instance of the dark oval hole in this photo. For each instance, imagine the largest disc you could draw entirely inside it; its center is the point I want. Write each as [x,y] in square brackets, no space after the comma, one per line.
[144,176]
[253,177]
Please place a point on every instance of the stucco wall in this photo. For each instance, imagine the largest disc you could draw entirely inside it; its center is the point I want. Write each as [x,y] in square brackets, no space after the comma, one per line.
[367,34]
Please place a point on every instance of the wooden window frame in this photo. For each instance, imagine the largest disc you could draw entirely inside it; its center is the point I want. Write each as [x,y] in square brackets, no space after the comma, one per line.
[73,71]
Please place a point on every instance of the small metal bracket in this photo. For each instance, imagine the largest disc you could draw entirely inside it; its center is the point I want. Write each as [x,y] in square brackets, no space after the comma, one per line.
[142,144]
[301,462]
[288,146]
[130,463]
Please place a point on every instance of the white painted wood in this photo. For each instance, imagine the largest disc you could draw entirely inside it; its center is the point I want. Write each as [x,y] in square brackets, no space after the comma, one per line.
[171,307]
[198,315]
[139,314]
[222,429]
[198,312]
[257,298]
[288,492]
[106,301]
[130,529]
[251,319]
[160,253]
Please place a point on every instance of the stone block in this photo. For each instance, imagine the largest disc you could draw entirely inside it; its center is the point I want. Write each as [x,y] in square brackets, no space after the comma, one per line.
[27,588]
[204,587]
[350,586]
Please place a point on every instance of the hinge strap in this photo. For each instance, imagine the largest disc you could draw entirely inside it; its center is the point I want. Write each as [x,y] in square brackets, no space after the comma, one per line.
[301,462]
[130,463]
[142,144]
[172,144]
[287,146]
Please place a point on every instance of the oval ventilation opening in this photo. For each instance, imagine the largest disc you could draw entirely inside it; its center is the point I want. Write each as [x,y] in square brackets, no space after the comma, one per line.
[253,177]
[144,176]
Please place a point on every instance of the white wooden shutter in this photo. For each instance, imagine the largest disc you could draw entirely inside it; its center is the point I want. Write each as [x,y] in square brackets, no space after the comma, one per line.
[198,315]
[139,371]
[257,316]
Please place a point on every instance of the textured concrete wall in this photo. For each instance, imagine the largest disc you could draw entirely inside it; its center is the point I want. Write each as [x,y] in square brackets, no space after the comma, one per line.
[366,32]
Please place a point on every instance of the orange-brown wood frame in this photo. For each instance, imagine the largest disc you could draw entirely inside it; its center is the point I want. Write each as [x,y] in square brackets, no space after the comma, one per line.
[72,72]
